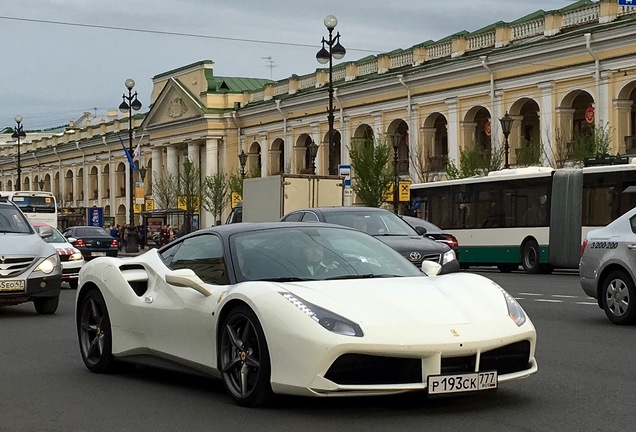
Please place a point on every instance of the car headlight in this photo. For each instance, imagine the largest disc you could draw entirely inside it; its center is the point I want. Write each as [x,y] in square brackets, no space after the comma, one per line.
[76,256]
[48,265]
[325,318]
[448,257]
[515,311]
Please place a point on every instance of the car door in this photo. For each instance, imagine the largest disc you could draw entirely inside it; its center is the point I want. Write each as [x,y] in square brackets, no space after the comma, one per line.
[179,321]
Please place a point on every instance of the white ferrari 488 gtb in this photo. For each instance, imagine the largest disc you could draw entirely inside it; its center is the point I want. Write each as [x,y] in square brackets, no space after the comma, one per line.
[301,309]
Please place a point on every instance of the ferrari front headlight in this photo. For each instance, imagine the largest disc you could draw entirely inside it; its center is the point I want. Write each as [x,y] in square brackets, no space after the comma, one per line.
[515,311]
[329,320]
[48,265]
[448,257]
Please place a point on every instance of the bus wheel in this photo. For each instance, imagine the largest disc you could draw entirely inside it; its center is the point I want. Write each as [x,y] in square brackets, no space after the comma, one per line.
[507,267]
[530,257]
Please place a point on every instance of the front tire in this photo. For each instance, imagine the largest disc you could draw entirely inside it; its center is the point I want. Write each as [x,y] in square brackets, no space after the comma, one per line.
[46,305]
[619,298]
[530,257]
[244,358]
[95,334]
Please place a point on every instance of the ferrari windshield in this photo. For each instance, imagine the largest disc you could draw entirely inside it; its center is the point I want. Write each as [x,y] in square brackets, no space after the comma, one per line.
[314,253]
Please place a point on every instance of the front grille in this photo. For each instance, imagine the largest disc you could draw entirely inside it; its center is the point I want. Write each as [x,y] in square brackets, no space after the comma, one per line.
[12,267]
[362,369]
[507,359]
[455,365]
[430,257]
[65,258]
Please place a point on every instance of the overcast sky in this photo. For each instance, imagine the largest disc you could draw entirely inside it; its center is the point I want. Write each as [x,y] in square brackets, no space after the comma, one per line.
[51,73]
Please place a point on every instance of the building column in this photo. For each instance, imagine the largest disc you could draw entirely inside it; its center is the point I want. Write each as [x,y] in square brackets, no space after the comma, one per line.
[265,154]
[172,163]
[623,110]
[454,125]
[546,122]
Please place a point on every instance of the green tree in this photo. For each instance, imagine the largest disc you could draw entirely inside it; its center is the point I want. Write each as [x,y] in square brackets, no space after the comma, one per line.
[190,191]
[216,197]
[590,141]
[235,182]
[372,177]
[475,161]
[165,191]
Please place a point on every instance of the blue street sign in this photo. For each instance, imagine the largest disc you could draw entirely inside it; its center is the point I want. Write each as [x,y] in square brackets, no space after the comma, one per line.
[345,171]
[627,2]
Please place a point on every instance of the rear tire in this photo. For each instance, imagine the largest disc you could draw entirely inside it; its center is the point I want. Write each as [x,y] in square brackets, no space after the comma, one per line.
[618,297]
[530,257]
[46,305]
[95,333]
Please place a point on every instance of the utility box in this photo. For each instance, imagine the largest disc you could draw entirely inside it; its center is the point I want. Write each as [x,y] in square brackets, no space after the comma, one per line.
[267,199]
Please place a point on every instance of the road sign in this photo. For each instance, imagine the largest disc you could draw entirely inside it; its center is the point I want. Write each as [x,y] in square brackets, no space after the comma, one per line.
[345,171]
[627,2]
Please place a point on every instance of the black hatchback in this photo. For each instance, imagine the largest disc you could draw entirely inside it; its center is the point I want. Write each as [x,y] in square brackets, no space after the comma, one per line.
[385,226]
[92,241]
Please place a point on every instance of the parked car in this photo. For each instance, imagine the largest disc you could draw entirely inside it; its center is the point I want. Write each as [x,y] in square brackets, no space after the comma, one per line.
[92,241]
[30,268]
[433,232]
[607,268]
[71,258]
[237,302]
[387,227]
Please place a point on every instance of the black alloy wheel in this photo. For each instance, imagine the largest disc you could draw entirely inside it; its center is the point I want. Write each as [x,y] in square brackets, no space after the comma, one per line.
[618,298]
[244,358]
[94,332]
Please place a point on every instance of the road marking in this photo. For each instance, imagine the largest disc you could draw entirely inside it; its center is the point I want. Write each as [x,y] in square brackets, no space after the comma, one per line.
[530,294]
[564,296]
[548,300]
[587,303]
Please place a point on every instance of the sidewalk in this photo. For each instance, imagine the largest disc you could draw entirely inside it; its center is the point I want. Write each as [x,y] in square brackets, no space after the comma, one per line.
[123,254]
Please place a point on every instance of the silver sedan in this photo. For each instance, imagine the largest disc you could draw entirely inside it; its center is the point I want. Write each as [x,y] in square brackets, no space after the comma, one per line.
[607,266]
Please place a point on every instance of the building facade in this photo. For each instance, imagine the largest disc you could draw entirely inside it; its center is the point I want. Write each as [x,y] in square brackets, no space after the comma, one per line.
[554,72]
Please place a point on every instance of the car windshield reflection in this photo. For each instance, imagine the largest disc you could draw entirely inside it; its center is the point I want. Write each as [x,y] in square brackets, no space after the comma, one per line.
[314,253]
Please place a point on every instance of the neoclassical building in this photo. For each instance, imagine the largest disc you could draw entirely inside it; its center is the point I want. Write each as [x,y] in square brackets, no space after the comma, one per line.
[554,72]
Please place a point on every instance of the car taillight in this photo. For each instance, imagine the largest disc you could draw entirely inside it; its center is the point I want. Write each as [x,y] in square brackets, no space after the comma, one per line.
[452,242]
[114,243]
[79,242]
[583,246]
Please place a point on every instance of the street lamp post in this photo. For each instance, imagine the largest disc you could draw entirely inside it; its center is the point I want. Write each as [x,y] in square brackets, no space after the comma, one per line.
[17,134]
[506,127]
[130,103]
[324,56]
[243,160]
[313,152]
[396,179]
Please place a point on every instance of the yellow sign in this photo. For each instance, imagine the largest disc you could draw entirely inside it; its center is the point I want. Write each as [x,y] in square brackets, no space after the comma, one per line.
[150,205]
[137,208]
[182,202]
[405,191]
[236,198]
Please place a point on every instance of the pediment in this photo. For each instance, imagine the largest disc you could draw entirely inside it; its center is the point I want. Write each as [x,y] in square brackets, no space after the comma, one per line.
[174,104]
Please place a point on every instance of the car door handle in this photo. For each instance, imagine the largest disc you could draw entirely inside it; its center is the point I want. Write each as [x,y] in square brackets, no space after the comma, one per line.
[148,299]
[631,246]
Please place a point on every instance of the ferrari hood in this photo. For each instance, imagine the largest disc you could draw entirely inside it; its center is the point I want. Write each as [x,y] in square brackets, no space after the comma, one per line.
[453,299]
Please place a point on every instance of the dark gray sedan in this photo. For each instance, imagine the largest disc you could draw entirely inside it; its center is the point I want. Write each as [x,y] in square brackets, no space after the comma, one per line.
[385,226]
[92,241]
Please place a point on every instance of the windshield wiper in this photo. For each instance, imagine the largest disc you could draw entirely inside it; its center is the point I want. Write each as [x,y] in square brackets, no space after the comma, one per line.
[362,276]
[285,279]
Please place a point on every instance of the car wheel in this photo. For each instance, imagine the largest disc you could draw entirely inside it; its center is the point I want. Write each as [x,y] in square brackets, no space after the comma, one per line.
[507,268]
[619,298]
[530,257]
[94,333]
[46,305]
[73,284]
[244,358]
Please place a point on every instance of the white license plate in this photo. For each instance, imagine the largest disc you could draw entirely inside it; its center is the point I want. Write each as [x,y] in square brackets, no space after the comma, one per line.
[442,384]
[12,285]
[96,254]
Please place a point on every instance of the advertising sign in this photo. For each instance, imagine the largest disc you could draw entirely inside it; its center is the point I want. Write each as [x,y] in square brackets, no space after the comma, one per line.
[95,216]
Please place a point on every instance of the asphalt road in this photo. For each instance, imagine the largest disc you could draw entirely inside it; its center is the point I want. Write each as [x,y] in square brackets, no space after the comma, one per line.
[586,382]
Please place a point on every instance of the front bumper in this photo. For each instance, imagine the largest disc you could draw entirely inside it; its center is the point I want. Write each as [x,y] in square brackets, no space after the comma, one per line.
[44,286]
